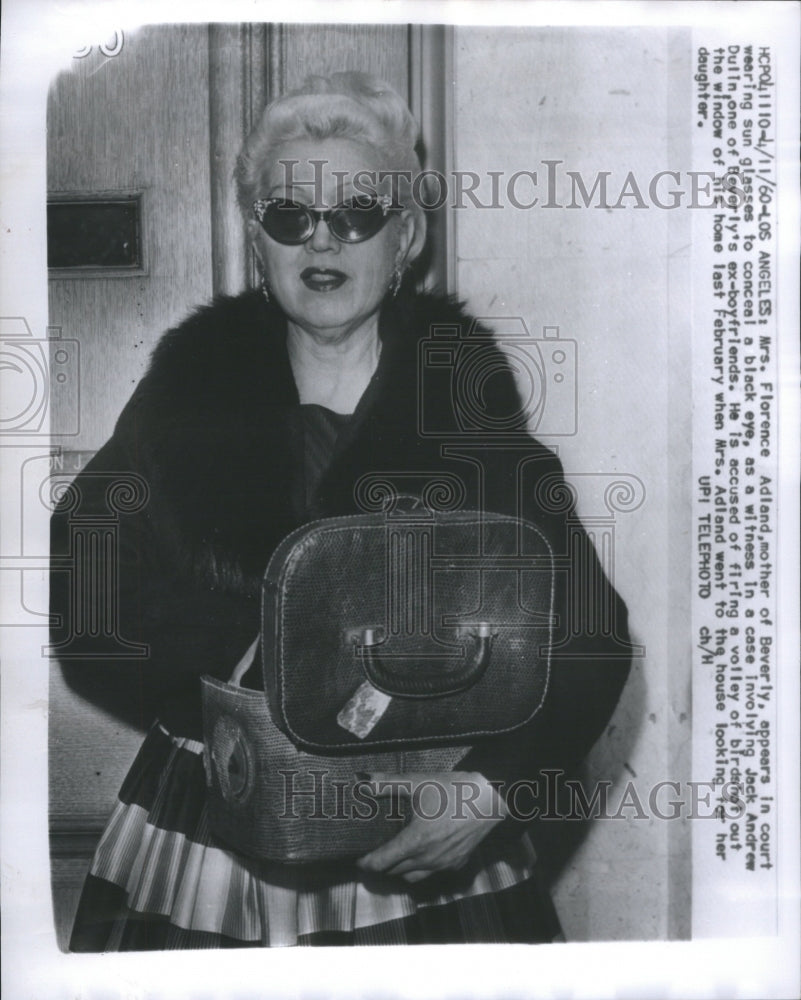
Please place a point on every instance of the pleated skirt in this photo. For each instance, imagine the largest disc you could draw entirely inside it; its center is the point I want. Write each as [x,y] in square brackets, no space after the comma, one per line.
[159,880]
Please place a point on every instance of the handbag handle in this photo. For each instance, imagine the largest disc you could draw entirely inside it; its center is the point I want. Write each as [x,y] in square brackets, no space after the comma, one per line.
[245,663]
[433,684]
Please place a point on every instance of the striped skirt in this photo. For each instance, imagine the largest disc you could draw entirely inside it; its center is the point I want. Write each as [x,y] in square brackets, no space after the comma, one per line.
[159,880]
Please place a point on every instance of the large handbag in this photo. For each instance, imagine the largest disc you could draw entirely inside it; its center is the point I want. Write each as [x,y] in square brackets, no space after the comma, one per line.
[390,642]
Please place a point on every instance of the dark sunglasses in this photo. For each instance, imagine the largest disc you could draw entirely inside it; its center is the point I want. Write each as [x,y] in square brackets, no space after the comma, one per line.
[354,221]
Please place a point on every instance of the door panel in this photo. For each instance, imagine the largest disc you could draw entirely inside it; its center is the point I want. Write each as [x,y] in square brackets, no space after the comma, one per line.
[381,49]
[134,122]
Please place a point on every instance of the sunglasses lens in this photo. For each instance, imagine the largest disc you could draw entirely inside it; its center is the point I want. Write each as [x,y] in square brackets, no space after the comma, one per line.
[287,222]
[357,220]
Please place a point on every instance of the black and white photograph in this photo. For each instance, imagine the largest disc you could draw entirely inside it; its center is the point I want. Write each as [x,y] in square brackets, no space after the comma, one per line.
[400,462]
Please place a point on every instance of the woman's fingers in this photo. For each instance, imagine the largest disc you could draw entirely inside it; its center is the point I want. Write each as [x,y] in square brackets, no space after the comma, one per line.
[415,876]
[404,845]
[423,863]
[441,833]
[422,845]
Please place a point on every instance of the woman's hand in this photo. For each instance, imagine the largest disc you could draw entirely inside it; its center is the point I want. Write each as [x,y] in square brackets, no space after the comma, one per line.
[452,812]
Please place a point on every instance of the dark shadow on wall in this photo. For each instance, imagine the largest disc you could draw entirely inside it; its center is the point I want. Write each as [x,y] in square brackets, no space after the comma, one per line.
[557,840]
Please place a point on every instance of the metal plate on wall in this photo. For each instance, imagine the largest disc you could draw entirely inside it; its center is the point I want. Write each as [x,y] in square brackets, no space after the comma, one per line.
[95,236]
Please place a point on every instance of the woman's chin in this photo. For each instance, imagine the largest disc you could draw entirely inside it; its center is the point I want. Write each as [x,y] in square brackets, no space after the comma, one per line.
[330,311]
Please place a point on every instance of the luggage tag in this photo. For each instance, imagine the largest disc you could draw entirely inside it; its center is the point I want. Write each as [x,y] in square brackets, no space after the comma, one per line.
[362,712]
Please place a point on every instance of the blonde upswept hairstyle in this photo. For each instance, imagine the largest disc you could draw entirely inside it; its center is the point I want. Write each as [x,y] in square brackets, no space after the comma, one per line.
[349,105]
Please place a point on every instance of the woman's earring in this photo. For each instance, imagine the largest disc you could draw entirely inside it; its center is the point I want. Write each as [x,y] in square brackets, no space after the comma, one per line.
[265,288]
[395,280]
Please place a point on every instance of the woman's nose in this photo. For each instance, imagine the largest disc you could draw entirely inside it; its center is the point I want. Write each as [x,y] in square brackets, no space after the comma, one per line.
[322,239]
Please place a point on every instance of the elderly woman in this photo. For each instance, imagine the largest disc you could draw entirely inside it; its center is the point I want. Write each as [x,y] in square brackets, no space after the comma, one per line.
[258,414]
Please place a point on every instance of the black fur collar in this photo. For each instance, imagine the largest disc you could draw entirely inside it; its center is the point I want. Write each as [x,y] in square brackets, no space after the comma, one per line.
[214,426]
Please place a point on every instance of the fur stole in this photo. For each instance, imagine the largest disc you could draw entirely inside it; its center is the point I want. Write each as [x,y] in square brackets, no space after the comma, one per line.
[214,427]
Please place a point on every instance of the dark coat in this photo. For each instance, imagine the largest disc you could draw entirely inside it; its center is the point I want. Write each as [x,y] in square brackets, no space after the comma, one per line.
[214,432]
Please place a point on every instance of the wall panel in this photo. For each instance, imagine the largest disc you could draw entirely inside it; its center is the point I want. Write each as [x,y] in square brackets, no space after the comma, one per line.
[598,100]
